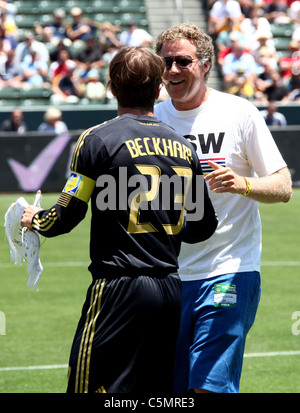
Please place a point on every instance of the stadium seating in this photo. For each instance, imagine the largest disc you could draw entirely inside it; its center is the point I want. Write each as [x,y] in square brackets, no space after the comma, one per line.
[10,96]
[282,35]
[33,12]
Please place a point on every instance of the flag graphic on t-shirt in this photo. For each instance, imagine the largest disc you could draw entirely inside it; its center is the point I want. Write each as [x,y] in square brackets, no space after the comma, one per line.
[206,168]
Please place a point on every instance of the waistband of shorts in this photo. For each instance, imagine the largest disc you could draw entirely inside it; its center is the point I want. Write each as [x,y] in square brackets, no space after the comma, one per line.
[117,275]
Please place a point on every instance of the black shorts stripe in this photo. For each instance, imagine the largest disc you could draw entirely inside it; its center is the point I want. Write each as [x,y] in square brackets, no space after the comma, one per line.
[84,356]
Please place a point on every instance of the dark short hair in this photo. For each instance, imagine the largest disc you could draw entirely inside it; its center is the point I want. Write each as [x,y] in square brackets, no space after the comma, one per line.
[134,76]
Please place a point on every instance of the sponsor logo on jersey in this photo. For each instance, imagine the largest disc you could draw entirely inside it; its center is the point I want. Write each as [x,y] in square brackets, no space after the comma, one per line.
[72,185]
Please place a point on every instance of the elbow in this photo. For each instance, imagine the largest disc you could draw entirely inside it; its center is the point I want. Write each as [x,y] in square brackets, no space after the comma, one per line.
[288,191]
[286,185]
[288,195]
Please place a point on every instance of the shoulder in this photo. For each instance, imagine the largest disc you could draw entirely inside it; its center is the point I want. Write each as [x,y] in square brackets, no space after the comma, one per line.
[229,99]
[236,108]
[96,131]
[162,106]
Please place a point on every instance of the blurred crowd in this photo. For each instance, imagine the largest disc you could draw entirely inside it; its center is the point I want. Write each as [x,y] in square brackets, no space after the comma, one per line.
[70,59]
[70,56]
[249,61]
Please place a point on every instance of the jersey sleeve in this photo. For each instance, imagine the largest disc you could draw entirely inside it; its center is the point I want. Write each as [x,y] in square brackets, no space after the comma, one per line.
[72,205]
[61,218]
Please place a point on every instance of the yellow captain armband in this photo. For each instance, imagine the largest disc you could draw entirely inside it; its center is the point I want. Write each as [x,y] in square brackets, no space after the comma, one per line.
[79,186]
[248,189]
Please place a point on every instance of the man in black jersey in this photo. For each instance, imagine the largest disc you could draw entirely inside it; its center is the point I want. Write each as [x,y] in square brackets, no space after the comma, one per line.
[126,336]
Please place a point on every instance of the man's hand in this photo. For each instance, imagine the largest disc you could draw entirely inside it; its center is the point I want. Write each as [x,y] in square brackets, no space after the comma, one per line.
[225,180]
[28,214]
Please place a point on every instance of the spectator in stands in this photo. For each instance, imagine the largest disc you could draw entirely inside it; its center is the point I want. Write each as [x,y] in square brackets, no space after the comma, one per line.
[276,11]
[67,88]
[11,73]
[80,30]
[56,30]
[91,55]
[255,22]
[219,13]
[287,63]
[263,57]
[257,30]
[248,5]
[108,37]
[135,36]
[296,34]
[294,95]
[60,66]
[264,78]
[236,61]
[94,88]
[54,53]
[53,122]
[8,42]
[35,71]
[226,48]
[272,116]
[294,12]
[242,87]
[276,91]
[15,123]
[263,40]
[295,81]
[223,42]
[29,43]
[8,11]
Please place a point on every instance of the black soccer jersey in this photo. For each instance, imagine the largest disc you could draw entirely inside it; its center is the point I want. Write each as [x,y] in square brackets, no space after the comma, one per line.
[138,174]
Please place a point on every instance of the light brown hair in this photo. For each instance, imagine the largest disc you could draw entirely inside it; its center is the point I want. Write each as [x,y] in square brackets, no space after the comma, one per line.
[134,76]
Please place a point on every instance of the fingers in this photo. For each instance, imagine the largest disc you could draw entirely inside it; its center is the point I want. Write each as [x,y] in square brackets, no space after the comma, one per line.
[214,165]
[28,214]
[218,174]
[224,179]
[220,180]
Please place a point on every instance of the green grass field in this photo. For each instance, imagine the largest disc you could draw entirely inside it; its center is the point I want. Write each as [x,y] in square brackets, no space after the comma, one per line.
[40,324]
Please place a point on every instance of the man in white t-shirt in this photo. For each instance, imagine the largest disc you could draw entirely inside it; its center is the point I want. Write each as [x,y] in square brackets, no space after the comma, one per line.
[221,276]
[135,36]
[220,12]
[294,12]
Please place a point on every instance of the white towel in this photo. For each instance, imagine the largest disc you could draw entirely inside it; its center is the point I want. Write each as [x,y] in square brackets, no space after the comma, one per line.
[24,244]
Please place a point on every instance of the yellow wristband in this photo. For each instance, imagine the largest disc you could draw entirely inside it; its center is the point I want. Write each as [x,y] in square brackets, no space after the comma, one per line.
[248,189]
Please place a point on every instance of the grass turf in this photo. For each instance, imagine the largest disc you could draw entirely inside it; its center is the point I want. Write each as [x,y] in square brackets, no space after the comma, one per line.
[40,324]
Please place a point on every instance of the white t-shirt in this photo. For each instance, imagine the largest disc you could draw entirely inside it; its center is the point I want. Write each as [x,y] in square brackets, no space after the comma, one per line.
[294,10]
[222,9]
[228,130]
[135,38]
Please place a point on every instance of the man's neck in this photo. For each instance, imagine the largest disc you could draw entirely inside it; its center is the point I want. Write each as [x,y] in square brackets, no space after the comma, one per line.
[195,103]
[135,111]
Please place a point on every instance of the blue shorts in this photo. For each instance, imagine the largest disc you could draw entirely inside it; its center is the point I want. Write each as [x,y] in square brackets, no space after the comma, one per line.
[217,314]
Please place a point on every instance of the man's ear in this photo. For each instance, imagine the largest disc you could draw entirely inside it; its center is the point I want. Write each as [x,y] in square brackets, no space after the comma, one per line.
[206,67]
[110,86]
[112,89]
